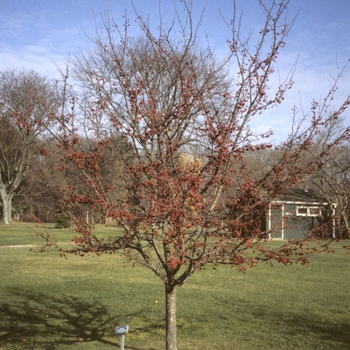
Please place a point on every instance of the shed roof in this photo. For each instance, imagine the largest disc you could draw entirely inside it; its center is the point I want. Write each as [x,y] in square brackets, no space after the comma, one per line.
[301,195]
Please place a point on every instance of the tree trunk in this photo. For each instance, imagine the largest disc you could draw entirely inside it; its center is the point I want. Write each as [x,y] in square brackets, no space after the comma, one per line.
[343,214]
[9,208]
[170,299]
[6,208]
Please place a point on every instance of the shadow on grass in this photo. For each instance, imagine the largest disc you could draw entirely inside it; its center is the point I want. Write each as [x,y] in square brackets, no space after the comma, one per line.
[41,321]
[323,330]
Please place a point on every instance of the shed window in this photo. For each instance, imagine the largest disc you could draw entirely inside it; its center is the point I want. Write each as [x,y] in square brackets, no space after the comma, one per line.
[302,211]
[308,211]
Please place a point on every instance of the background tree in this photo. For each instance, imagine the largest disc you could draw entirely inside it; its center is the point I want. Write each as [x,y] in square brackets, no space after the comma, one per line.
[167,95]
[332,180]
[27,100]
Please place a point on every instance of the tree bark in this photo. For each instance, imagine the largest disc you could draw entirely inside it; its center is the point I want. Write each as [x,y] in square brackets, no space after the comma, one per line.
[170,299]
[9,208]
[6,206]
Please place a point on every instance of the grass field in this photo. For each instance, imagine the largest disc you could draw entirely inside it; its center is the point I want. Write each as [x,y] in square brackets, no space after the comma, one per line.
[51,303]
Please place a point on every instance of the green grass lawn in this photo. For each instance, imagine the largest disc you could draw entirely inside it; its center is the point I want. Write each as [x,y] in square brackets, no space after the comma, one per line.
[52,303]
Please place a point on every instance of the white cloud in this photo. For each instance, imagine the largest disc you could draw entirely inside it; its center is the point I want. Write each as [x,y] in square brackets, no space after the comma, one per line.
[31,57]
[28,41]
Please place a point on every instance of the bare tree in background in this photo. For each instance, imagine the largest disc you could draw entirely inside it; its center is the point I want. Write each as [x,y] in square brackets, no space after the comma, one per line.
[27,102]
[332,179]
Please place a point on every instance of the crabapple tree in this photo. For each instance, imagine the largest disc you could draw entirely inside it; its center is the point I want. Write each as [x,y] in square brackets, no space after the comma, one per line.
[184,194]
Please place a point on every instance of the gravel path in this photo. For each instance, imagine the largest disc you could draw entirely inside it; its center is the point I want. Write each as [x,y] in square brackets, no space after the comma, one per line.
[17,246]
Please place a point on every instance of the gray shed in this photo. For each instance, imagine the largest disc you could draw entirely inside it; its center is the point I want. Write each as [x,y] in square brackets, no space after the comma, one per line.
[294,214]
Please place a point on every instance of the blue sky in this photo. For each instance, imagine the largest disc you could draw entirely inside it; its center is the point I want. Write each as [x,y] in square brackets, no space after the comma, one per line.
[42,34]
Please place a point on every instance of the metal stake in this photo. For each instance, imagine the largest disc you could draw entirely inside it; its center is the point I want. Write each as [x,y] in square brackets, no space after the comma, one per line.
[122,330]
[122,342]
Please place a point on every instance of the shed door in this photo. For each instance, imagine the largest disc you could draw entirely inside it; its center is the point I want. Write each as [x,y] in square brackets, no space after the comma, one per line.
[276,220]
